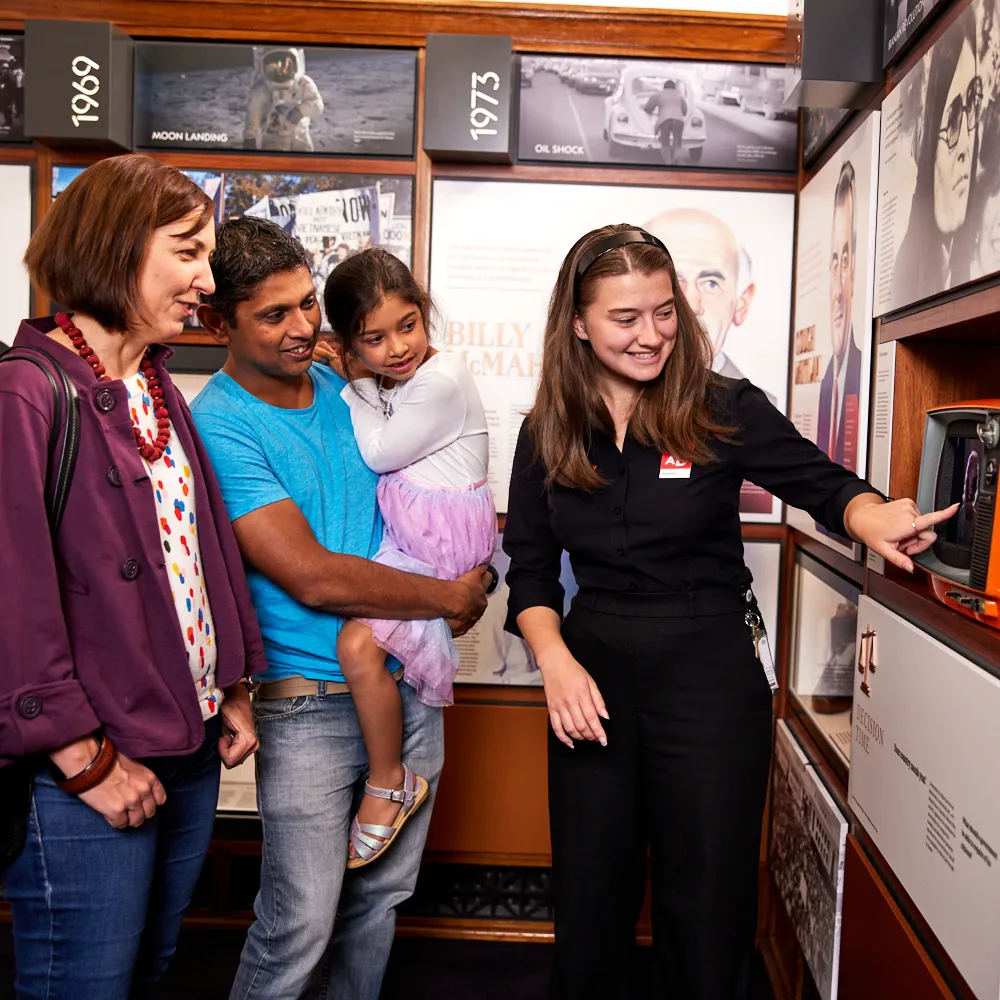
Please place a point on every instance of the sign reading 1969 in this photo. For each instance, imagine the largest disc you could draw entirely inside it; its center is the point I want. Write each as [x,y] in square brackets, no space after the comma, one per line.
[481,118]
[84,102]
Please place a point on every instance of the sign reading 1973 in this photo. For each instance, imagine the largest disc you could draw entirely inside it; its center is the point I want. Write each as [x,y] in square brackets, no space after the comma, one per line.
[481,118]
[87,87]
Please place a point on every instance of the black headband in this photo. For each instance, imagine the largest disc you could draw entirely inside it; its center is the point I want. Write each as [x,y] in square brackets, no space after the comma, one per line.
[613,242]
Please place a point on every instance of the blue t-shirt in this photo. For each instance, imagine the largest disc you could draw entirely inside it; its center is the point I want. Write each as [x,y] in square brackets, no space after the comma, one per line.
[262,454]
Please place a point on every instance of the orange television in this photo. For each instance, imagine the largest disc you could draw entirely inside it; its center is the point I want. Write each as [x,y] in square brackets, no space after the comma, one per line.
[959,464]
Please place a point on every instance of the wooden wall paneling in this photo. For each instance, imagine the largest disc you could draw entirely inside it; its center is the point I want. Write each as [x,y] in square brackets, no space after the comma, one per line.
[786,611]
[492,803]
[17,154]
[662,34]
[884,945]
[631,176]
[272,163]
[475,929]
[779,948]
[422,193]
[966,314]
[930,373]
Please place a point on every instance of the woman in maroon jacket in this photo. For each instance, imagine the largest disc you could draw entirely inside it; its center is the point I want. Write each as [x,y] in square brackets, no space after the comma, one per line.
[125,637]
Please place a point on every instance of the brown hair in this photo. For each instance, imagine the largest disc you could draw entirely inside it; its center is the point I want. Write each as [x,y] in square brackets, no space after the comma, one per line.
[90,248]
[358,286]
[672,412]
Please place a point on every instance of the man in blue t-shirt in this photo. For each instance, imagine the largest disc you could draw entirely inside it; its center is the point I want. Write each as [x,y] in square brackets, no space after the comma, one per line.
[304,510]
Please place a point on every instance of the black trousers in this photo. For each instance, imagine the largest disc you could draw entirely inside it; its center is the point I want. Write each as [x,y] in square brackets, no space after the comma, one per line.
[685,773]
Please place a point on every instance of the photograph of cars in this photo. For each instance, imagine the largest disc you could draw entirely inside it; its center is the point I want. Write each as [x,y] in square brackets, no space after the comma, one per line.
[627,123]
[596,78]
[766,97]
[614,111]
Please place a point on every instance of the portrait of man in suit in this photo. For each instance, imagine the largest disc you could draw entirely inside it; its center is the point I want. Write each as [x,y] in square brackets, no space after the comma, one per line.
[838,418]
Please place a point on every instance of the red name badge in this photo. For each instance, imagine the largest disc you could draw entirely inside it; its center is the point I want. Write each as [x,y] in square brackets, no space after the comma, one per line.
[674,468]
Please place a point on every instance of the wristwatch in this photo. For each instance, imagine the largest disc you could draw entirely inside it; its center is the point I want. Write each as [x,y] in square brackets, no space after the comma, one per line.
[494,579]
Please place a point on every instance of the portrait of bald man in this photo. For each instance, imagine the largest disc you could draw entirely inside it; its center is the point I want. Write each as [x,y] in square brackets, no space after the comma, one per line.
[837,421]
[715,274]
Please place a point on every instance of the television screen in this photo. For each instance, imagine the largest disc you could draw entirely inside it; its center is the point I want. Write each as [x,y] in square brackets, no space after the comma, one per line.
[958,482]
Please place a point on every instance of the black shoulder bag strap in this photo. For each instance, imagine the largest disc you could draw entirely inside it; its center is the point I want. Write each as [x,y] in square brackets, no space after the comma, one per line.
[64,440]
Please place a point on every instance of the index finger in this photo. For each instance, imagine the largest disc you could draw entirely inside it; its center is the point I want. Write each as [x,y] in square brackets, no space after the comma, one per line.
[935,517]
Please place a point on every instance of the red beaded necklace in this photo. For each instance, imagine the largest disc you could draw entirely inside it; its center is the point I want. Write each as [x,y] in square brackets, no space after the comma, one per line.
[150,451]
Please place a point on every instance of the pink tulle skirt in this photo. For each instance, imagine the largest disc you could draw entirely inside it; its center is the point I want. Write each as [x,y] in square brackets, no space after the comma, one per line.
[436,532]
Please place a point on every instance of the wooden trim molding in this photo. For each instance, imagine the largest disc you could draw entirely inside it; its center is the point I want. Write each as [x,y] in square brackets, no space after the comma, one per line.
[631,176]
[533,27]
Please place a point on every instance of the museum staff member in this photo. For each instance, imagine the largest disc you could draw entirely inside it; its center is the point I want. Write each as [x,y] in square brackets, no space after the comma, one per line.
[631,460]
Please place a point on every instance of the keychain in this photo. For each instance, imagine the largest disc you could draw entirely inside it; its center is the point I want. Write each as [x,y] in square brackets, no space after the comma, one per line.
[761,646]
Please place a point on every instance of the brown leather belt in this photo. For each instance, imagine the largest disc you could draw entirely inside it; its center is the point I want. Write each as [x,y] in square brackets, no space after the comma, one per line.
[302,687]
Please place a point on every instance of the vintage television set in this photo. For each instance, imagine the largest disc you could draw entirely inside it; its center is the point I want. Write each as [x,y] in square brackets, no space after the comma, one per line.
[959,464]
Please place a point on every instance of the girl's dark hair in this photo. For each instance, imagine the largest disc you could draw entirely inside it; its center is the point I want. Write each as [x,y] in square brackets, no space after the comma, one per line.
[357,286]
[673,412]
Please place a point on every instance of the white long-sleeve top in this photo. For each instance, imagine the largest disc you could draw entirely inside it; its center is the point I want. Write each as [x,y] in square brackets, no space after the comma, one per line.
[437,433]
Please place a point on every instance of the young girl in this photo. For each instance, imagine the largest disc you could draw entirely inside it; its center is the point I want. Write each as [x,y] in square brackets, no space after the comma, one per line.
[420,423]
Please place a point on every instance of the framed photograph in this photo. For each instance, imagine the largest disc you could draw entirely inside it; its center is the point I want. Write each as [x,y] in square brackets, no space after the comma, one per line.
[824,656]
[496,248]
[819,126]
[275,98]
[939,166]
[12,88]
[16,199]
[332,215]
[834,289]
[903,19]
[806,856]
[636,111]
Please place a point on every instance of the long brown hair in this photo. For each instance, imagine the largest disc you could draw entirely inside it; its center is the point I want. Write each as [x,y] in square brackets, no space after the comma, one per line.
[672,413]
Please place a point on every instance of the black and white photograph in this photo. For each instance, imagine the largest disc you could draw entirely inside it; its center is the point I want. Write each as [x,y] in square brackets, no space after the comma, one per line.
[903,19]
[939,170]
[819,126]
[275,98]
[332,215]
[679,114]
[807,854]
[11,88]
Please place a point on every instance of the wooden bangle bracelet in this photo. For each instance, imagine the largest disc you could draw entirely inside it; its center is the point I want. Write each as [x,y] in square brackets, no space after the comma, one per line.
[95,772]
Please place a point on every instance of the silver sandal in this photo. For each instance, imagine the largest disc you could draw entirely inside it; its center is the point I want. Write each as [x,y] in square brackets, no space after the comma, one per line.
[370,840]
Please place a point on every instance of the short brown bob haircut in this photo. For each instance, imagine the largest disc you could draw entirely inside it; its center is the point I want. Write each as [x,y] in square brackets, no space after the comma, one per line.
[90,248]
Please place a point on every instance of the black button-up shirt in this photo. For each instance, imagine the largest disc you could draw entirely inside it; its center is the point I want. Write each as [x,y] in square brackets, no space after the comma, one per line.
[646,534]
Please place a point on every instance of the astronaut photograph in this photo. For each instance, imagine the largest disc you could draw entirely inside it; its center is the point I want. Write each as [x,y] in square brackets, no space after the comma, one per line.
[275,98]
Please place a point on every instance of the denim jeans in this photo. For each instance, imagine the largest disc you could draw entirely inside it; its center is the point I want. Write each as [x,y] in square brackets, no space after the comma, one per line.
[311,767]
[96,910]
